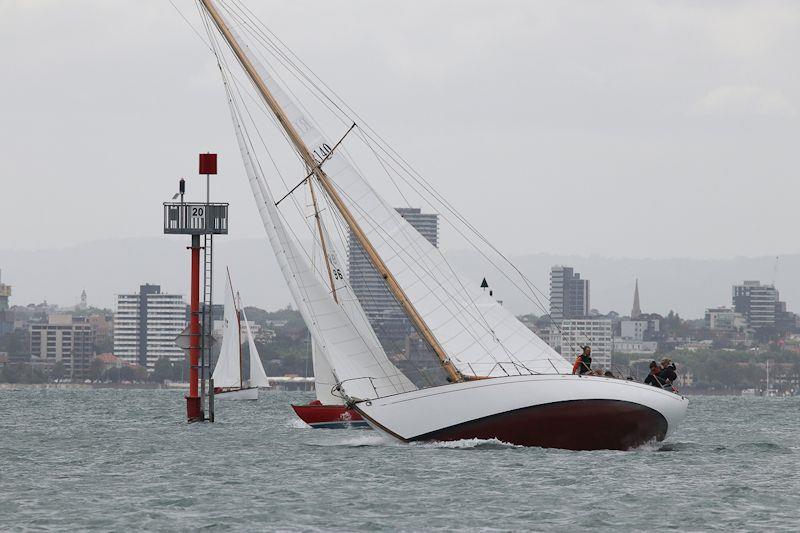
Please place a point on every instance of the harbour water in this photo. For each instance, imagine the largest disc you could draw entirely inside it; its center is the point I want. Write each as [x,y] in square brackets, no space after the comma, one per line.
[102,460]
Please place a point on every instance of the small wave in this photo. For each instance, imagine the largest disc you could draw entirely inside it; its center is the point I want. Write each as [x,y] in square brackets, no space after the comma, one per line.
[684,447]
[467,444]
[763,447]
[296,423]
[760,447]
[356,439]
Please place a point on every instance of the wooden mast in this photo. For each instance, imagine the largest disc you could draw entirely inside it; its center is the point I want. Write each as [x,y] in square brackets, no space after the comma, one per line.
[322,241]
[395,288]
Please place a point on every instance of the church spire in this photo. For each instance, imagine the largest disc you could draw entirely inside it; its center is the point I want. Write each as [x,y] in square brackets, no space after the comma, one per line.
[636,311]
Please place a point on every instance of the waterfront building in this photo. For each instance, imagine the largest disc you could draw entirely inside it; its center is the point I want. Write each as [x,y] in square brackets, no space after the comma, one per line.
[724,319]
[575,333]
[63,339]
[569,294]
[5,294]
[757,303]
[633,329]
[387,318]
[634,346]
[6,320]
[146,324]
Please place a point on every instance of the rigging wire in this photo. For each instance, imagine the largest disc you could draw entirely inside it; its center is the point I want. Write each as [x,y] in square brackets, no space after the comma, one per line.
[238,118]
[244,26]
[435,193]
[387,148]
[452,272]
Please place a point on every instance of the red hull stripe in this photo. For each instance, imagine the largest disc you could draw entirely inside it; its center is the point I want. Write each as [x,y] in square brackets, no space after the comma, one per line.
[328,416]
[570,425]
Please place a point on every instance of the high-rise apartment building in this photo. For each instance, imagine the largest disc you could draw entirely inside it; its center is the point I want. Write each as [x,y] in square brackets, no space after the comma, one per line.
[5,294]
[384,313]
[757,303]
[64,339]
[146,324]
[569,294]
[598,333]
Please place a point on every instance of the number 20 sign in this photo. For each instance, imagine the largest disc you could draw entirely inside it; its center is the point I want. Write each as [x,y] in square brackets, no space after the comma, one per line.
[198,216]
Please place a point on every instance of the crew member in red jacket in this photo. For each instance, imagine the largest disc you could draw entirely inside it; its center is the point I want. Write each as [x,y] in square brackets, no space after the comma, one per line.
[583,363]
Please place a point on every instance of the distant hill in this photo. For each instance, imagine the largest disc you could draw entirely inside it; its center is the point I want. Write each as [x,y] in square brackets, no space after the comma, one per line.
[105,268]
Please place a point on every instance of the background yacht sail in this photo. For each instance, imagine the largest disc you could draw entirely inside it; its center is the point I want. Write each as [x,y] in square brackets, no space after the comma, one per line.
[324,379]
[227,372]
[258,378]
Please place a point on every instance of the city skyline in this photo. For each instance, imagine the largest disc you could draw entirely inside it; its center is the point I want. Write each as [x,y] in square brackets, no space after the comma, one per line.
[111,267]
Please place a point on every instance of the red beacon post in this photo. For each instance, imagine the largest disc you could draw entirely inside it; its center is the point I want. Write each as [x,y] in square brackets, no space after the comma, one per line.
[196,219]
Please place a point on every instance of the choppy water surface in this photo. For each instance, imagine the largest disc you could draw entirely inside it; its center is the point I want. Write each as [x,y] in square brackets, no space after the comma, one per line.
[117,460]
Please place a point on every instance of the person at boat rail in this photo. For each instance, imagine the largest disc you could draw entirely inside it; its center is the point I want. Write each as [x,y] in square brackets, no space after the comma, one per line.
[583,363]
[652,378]
[667,373]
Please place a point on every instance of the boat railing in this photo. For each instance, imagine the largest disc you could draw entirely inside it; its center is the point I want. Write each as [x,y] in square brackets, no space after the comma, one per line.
[337,391]
[510,368]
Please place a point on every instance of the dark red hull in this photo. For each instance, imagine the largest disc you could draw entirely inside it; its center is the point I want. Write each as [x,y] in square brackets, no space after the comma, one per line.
[329,416]
[572,425]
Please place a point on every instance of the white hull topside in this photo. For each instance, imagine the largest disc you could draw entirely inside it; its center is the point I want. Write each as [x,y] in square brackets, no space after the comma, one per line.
[540,410]
[250,393]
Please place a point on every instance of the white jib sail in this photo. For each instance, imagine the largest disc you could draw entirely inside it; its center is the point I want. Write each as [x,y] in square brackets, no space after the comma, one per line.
[258,378]
[227,372]
[323,378]
[358,362]
[479,335]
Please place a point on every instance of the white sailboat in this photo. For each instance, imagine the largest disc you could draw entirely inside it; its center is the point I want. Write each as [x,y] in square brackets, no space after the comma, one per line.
[497,378]
[229,381]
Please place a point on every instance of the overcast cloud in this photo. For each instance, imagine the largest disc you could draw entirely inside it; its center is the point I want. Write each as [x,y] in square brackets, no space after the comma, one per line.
[639,129]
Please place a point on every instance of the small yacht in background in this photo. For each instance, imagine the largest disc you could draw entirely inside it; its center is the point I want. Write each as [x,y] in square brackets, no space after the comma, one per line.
[229,382]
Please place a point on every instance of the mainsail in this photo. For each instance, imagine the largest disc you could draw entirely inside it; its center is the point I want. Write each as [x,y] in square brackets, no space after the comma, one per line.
[356,358]
[478,335]
[228,372]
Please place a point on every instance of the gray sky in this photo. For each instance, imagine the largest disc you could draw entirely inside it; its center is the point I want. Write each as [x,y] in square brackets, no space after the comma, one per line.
[638,129]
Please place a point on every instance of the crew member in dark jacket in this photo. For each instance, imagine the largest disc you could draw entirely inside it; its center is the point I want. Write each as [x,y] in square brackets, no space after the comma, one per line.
[668,373]
[583,363]
[652,378]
